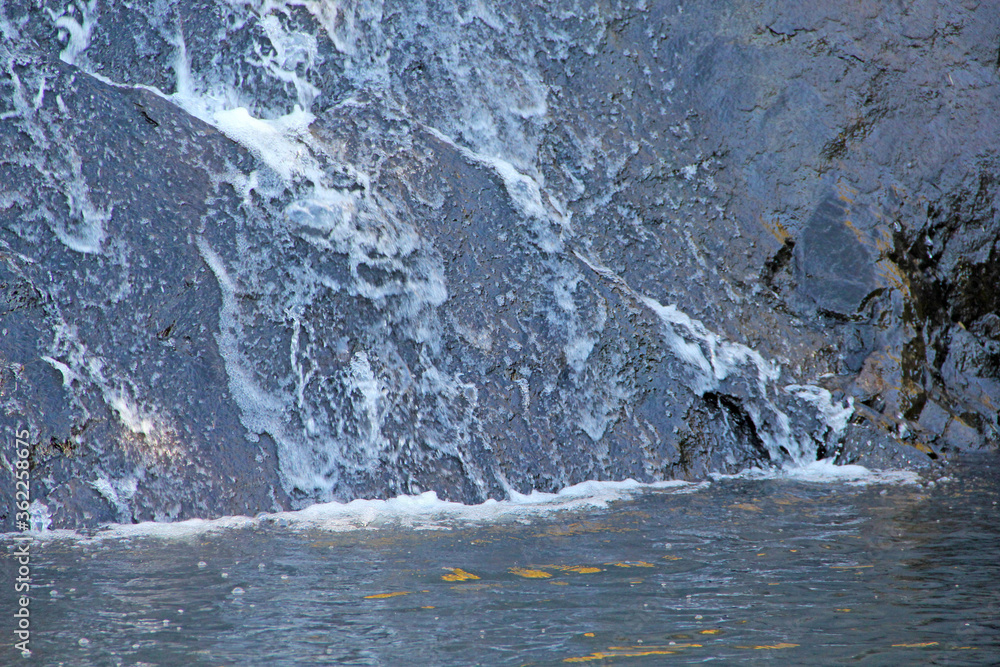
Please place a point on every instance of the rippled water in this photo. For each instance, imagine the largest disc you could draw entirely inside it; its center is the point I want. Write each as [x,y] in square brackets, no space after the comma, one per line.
[737,571]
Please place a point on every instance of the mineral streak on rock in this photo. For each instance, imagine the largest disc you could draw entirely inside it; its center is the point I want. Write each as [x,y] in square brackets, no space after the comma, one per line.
[255,256]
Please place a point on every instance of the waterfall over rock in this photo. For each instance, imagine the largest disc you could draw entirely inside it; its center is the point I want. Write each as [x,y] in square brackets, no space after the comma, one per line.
[258,255]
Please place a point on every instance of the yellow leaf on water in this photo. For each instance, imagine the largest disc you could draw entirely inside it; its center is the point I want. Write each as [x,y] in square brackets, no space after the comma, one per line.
[381,596]
[528,573]
[581,569]
[458,574]
[776,646]
[748,507]
[672,557]
[845,609]
[915,645]
[616,654]
[712,631]
[633,563]
[640,647]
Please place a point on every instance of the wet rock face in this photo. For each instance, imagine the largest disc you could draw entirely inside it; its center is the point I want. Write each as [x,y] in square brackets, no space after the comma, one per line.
[384,249]
[885,192]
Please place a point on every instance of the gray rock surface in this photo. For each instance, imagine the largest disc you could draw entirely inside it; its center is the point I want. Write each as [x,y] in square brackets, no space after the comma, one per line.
[482,249]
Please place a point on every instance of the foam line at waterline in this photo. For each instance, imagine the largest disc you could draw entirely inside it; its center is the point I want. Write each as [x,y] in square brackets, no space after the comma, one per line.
[825,471]
[423,511]
[427,512]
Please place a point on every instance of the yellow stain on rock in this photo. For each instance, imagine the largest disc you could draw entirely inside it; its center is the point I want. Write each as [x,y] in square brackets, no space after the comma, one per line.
[382,596]
[915,645]
[458,574]
[776,228]
[529,573]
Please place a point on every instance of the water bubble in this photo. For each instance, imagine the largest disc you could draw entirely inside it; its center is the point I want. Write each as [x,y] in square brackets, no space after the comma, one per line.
[83,641]
[225,575]
[202,565]
[238,591]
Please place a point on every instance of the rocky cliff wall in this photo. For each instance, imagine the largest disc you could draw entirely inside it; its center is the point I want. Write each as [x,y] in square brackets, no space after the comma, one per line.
[256,256]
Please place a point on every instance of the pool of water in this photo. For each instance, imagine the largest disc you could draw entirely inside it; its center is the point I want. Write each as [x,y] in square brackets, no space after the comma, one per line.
[735,571]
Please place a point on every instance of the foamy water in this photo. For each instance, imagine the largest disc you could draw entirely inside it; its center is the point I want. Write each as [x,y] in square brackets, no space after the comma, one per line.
[426,511]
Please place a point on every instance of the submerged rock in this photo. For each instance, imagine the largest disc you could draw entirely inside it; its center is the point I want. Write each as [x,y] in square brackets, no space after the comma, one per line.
[379,250]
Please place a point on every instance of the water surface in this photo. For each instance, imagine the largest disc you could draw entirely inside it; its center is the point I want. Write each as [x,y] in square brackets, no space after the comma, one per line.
[738,571]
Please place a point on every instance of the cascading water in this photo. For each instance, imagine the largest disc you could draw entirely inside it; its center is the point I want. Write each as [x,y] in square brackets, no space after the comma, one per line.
[424,266]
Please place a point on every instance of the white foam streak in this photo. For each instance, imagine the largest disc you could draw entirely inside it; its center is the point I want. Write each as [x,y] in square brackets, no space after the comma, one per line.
[78,32]
[825,471]
[524,191]
[424,511]
[277,143]
[719,358]
[835,416]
